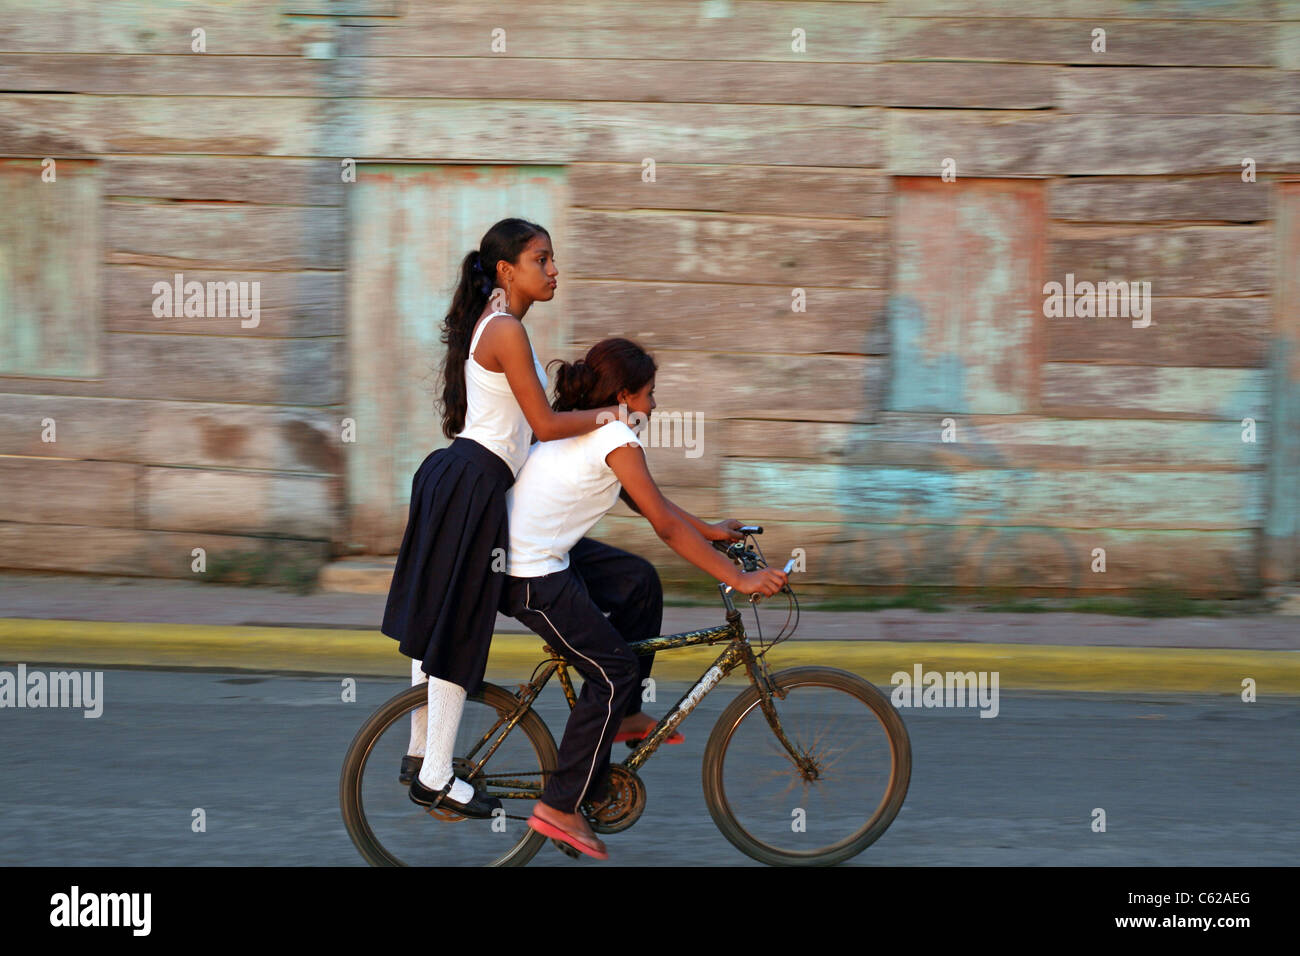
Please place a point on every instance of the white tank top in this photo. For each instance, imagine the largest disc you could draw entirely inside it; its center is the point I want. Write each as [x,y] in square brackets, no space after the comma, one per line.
[493,417]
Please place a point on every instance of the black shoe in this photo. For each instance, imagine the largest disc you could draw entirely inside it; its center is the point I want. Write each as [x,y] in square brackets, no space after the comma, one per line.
[410,769]
[479,806]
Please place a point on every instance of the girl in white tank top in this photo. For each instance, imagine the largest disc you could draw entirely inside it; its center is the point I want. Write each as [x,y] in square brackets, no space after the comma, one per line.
[493,417]
[447,580]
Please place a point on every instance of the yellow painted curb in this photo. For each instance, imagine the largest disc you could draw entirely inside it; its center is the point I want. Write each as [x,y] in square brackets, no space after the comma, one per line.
[513,656]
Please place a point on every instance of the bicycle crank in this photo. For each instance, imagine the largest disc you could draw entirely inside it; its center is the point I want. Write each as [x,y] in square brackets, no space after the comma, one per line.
[623,804]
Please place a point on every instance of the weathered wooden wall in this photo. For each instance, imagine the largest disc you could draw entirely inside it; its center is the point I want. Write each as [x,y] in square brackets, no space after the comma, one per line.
[774,170]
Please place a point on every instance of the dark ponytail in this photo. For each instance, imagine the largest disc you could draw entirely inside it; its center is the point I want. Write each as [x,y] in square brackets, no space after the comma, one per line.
[595,381]
[504,242]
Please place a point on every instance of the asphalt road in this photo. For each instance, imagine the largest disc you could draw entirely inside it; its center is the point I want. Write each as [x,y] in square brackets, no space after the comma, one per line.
[1184,780]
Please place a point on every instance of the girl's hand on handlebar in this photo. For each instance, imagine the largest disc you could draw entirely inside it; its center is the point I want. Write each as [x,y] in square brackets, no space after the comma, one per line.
[725,530]
[764,581]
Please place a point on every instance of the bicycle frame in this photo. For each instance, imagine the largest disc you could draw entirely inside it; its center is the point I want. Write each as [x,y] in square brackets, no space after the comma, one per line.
[737,653]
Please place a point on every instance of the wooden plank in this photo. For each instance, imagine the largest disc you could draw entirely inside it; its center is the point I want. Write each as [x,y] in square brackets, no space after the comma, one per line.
[162,554]
[1050,144]
[1288,45]
[70,125]
[601,79]
[231,502]
[553,132]
[1028,559]
[49,278]
[1184,261]
[105,429]
[812,388]
[690,247]
[746,190]
[1280,551]
[345,8]
[680,30]
[703,502]
[49,124]
[442,130]
[53,491]
[241,126]
[683,454]
[1113,199]
[1066,498]
[219,368]
[951,85]
[307,182]
[1025,559]
[1136,43]
[966,86]
[1206,333]
[154,75]
[194,434]
[1126,9]
[717,317]
[963,317]
[156,27]
[1228,394]
[1134,90]
[1002,441]
[290,304]
[220,236]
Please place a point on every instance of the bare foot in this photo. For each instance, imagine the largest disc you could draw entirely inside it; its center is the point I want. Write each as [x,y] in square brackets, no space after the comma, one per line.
[574,823]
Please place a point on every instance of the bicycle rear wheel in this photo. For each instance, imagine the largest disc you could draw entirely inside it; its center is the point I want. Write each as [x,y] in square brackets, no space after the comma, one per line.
[390,830]
[857,762]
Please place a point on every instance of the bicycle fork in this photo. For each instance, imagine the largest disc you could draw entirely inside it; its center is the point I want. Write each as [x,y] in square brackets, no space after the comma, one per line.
[767,689]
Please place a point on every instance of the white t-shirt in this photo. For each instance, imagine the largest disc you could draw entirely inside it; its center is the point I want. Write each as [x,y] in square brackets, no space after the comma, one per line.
[563,489]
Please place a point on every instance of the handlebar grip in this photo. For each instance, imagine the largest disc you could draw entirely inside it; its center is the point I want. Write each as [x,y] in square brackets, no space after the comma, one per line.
[750,529]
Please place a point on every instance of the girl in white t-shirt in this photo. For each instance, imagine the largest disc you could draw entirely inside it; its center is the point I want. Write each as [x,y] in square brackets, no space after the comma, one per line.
[560,583]
[442,603]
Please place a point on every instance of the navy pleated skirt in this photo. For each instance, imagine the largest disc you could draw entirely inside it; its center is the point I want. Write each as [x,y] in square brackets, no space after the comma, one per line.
[442,604]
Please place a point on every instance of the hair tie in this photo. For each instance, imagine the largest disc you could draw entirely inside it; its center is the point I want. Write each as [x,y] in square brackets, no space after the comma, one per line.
[476,268]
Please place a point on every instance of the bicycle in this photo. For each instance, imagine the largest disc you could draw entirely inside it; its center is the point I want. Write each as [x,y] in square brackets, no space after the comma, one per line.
[511,758]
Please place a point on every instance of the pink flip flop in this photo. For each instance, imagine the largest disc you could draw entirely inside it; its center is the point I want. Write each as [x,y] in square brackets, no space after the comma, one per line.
[564,836]
[633,735]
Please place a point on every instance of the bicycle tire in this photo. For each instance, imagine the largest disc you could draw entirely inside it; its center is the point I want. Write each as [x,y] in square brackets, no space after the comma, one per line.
[398,707]
[787,680]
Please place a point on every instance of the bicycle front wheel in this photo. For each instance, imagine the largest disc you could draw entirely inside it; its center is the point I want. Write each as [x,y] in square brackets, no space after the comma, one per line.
[829,800]
[390,830]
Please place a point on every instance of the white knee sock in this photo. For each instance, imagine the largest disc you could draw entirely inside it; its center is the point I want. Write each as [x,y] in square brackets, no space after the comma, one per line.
[419,716]
[446,703]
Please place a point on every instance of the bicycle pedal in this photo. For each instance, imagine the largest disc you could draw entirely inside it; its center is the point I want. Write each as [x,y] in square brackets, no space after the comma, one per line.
[566,849]
[442,813]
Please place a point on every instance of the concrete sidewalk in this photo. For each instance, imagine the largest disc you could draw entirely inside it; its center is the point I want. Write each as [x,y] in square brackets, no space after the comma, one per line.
[55,618]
